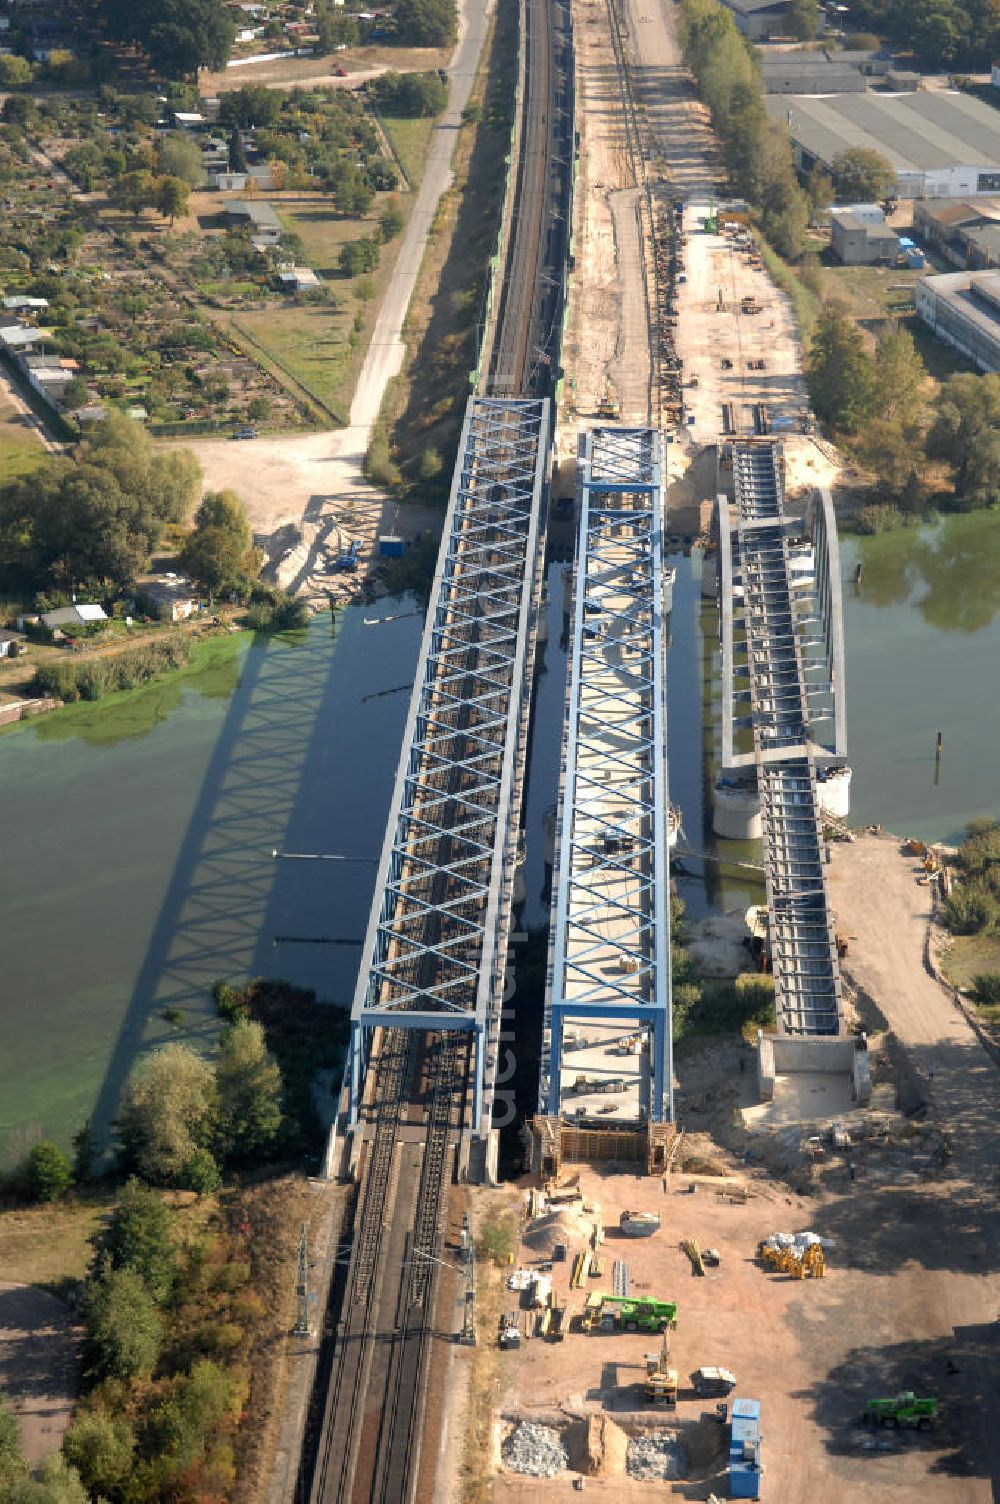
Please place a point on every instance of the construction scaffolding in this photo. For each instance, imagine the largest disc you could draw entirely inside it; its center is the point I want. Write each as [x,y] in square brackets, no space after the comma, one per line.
[437,938]
[784,613]
[609,969]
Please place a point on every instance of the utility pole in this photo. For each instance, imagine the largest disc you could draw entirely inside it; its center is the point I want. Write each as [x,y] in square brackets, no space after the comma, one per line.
[302,1327]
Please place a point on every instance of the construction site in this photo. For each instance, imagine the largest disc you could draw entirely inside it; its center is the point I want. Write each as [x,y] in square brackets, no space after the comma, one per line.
[754,1267]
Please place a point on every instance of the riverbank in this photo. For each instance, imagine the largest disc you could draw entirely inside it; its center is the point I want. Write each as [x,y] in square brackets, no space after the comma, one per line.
[129,712]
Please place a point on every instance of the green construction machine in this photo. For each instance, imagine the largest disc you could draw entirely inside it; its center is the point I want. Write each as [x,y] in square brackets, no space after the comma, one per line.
[902,1410]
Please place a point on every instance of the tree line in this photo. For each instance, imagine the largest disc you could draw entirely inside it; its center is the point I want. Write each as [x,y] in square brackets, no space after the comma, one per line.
[942,33]
[878,404]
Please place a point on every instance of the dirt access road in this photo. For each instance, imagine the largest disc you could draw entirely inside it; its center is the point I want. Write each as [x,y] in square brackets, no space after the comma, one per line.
[39,1358]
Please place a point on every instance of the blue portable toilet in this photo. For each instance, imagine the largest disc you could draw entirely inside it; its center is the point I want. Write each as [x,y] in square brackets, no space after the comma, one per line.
[744,1450]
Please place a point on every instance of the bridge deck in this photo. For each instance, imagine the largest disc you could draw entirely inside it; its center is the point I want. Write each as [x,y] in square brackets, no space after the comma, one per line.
[804,955]
[609,971]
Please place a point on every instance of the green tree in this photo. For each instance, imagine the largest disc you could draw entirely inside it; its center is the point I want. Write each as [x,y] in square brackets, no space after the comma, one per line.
[223,509]
[201,1173]
[168,1112]
[966,433]
[210,556]
[15,71]
[12,1464]
[334,28]
[839,371]
[900,378]
[101,1447]
[252,105]
[124,1327]
[892,451]
[410,94]
[139,1236]
[172,195]
[180,157]
[133,192]
[50,1173]
[54,1481]
[803,19]
[178,38]
[359,256]
[391,222]
[426,23]
[862,176]
[249,1083]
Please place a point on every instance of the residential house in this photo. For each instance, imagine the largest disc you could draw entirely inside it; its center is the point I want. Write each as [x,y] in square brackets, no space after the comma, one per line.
[170,599]
[299,279]
[259,217]
[80,615]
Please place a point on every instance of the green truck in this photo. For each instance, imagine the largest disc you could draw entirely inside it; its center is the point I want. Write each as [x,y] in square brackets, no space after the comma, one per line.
[608,1313]
[901,1410]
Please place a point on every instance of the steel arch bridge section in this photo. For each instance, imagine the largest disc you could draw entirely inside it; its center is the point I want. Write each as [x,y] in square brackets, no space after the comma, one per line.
[610,941]
[435,950]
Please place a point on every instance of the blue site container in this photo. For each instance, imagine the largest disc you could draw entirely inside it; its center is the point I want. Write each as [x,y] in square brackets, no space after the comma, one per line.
[915,259]
[744,1450]
[390,547]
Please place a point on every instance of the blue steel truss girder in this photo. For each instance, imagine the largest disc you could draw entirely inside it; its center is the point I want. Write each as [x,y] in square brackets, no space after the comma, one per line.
[610,942]
[435,949]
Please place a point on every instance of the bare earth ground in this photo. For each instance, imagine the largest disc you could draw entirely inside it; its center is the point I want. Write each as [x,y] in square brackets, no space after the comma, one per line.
[39,1342]
[361,63]
[607,339]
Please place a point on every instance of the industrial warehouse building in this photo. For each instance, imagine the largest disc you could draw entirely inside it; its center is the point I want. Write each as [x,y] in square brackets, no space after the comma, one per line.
[964,309]
[761,19]
[860,236]
[966,234]
[942,145]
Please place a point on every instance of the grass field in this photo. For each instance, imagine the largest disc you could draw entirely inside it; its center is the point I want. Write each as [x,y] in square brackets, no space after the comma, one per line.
[45,1245]
[970,956]
[21,450]
[411,141]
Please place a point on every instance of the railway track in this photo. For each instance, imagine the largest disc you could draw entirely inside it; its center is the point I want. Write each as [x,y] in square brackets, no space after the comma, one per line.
[368,1413]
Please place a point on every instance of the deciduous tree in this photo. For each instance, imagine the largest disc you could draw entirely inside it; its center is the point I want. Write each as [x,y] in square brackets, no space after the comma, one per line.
[124,1328]
[168,1112]
[249,1084]
[839,371]
[862,176]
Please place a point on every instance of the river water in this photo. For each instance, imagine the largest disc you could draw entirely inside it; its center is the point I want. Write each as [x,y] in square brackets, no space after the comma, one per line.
[138,834]
[138,843]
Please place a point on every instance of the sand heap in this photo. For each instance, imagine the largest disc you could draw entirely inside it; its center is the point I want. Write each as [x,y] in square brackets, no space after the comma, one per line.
[563,1224]
[604,1447]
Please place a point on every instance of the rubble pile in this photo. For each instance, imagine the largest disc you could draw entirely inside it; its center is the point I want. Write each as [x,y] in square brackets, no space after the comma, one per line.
[655,1457]
[537,1451]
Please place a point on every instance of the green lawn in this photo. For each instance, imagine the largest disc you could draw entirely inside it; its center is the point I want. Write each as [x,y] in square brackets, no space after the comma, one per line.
[411,141]
[21,451]
[969,956]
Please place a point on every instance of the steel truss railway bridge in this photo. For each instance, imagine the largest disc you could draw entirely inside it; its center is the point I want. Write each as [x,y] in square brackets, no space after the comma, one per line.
[609,959]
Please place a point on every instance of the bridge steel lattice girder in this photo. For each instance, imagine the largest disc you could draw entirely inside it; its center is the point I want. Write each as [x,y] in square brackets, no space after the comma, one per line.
[610,936]
[435,950]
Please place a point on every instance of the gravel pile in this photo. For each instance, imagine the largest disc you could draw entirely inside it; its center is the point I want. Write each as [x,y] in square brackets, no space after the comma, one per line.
[655,1457]
[535,1450]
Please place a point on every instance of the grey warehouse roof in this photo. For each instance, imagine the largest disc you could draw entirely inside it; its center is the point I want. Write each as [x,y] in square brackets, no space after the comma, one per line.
[916,132]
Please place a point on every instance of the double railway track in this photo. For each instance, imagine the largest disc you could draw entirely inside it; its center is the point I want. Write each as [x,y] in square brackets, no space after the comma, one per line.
[368,1411]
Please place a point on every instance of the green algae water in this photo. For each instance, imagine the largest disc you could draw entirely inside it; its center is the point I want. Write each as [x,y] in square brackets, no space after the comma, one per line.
[138,841]
[922,633]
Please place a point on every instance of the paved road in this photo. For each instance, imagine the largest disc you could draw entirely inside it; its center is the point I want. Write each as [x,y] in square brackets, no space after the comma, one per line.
[385,354]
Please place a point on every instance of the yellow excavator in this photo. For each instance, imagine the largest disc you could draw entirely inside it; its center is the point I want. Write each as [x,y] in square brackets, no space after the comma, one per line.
[661,1379]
